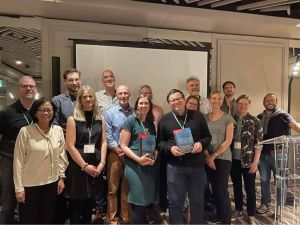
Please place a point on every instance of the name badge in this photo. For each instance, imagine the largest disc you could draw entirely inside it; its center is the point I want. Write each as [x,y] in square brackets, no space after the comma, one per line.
[237,145]
[89,148]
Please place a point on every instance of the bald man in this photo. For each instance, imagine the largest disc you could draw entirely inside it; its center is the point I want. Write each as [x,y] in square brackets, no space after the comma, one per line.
[13,118]
[115,117]
[107,97]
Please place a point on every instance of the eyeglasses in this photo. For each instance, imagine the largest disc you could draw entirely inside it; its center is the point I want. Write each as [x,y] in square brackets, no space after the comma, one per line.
[176,100]
[45,110]
[25,86]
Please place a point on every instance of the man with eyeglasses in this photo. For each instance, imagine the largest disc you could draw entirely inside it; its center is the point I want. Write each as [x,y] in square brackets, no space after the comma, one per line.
[185,171]
[65,105]
[13,118]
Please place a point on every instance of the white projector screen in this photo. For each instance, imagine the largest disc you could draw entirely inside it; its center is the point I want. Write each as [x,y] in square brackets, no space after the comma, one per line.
[162,69]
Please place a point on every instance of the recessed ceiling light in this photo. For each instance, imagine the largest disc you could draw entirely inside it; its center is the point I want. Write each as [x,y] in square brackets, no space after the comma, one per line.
[19,62]
[298,25]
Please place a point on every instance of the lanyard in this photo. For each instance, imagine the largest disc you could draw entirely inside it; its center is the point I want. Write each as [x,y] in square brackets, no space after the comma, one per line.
[90,130]
[26,119]
[182,127]
[145,132]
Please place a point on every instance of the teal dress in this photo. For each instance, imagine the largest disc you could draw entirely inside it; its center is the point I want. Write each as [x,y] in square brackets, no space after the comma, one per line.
[142,181]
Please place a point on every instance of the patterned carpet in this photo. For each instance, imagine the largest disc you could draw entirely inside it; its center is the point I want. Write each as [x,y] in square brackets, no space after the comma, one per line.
[289,214]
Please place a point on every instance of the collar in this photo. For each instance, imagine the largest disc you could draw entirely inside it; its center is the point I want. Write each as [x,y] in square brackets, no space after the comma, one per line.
[129,109]
[105,92]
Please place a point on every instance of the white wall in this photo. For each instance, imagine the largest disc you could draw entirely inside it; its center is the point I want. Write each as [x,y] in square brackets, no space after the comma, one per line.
[56,35]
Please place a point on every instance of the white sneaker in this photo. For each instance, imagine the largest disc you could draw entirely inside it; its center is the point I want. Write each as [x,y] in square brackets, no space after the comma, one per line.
[237,214]
[251,220]
[263,209]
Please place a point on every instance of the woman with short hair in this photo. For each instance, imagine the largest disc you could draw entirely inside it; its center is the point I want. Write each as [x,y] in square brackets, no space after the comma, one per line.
[245,157]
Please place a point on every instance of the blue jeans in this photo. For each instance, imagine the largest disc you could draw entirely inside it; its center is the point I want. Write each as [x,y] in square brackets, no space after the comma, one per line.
[182,179]
[266,165]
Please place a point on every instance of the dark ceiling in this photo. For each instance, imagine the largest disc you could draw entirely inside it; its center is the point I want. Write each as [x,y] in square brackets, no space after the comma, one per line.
[23,45]
[278,8]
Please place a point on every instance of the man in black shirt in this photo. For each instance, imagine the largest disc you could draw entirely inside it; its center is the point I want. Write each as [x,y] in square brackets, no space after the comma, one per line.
[185,171]
[275,122]
[13,118]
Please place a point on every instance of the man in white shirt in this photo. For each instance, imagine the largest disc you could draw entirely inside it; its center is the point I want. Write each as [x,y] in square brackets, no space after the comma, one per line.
[107,97]
[193,88]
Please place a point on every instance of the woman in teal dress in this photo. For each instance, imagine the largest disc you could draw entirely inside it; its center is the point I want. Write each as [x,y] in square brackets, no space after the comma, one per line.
[141,171]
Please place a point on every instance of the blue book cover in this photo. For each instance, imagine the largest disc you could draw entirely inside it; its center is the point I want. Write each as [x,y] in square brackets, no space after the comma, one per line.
[147,144]
[184,139]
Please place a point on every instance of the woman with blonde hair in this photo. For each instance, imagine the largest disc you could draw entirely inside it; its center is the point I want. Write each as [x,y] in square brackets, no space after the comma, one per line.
[86,144]
[218,156]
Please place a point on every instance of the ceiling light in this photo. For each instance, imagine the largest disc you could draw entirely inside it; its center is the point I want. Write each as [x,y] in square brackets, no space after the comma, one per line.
[298,25]
[37,96]
[19,62]
[11,95]
[296,68]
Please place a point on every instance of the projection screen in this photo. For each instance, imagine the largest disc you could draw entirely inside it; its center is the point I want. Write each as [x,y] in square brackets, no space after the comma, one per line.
[136,64]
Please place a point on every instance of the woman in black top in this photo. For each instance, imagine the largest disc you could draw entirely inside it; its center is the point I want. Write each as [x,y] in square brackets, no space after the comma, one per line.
[86,144]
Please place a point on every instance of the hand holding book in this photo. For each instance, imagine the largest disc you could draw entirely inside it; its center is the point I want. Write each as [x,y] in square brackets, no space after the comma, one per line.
[197,148]
[146,160]
[184,140]
[176,151]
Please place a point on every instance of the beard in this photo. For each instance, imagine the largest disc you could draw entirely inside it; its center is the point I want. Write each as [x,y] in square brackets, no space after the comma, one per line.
[29,96]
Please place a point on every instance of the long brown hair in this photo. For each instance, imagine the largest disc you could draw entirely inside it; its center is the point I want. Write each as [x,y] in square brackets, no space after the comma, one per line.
[149,117]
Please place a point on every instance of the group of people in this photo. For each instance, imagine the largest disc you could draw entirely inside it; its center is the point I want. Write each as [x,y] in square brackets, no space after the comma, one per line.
[64,157]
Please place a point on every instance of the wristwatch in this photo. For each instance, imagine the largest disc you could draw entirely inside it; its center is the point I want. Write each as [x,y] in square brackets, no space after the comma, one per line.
[216,154]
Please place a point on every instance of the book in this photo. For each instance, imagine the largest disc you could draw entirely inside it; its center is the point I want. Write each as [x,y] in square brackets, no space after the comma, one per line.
[147,144]
[184,139]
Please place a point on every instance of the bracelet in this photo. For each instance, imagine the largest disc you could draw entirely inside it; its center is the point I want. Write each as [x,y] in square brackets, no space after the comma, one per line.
[102,163]
[84,166]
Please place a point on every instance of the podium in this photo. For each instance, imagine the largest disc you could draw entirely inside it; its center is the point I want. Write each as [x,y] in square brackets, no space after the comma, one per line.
[287,182]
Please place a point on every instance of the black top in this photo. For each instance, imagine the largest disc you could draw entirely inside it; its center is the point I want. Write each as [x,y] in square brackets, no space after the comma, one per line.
[278,125]
[79,184]
[197,123]
[12,119]
[82,135]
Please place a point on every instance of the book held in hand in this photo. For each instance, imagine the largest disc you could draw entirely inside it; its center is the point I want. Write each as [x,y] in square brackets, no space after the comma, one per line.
[147,144]
[184,139]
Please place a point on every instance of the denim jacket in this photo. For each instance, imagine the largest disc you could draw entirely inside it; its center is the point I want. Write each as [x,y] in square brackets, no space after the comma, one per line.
[251,134]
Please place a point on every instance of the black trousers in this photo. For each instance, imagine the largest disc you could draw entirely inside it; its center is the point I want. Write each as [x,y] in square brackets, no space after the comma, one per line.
[237,172]
[39,204]
[9,201]
[219,182]
[144,214]
[81,210]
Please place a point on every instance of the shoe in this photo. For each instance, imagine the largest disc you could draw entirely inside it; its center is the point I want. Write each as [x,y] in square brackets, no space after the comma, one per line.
[237,214]
[251,220]
[263,209]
